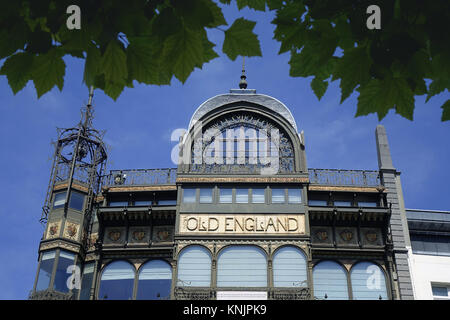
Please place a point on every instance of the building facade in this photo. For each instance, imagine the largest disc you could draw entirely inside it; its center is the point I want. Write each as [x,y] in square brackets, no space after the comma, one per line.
[241,217]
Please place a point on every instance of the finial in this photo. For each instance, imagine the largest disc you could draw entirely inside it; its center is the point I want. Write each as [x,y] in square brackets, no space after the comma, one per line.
[243,82]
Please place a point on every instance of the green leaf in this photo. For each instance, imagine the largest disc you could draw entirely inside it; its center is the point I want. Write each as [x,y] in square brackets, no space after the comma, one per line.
[92,64]
[381,95]
[216,11]
[319,87]
[240,40]
[114,63]
[17,69]
[259,5]
[353,69]
[142,61]
[184,50]
[446,111]
[48,70]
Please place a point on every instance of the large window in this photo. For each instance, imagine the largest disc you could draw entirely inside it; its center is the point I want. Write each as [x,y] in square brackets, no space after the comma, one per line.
[330,281]
[289,268]
[66,259]
[155,278]
[45,270]
[86,283]
[59,200]
[189,195]
[258,195]
[206,195]
[76,200]
[241,195]
[194,267]
[225,195]
[278,195]
[117,281]
[368,282]
[242,266]
[294,195]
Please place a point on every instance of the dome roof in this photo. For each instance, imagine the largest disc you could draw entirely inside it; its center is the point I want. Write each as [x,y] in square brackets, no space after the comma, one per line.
[243,96]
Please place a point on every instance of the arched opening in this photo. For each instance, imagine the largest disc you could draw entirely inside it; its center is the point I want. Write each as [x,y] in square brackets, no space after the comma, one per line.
[117,281]
[155,279]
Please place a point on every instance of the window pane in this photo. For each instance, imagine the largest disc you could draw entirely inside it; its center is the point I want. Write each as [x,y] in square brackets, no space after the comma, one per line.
[118,204]
[66,260]
[206,195]
[330,280]
[342,203]
[241,195]
[278,195]
[317,203]
[368,282]
[117,281]
[258,195]
[294,195]
[289,268]
[367,204]
[86,283]
[76,200]
[439,291]
[143,203]
[226,195]
[242,266]
[167,202]
[45,270]
[189,195]
[194,267]
[155,278]
[59,200]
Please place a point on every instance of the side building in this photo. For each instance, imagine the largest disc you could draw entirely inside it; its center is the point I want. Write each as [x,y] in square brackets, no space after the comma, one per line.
[241,217]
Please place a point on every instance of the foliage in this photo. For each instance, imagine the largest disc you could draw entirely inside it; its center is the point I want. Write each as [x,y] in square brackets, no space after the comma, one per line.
[153,41]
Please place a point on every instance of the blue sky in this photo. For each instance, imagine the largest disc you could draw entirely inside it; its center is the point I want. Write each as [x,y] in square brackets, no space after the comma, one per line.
[139,124]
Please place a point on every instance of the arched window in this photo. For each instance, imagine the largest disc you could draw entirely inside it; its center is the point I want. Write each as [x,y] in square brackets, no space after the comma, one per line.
[194,267]
[117,281]
[368,282]
[330,281]
[155,278]
[289,268]
[242,266]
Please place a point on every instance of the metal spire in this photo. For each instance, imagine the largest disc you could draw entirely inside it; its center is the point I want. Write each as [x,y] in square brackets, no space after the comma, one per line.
[243,82]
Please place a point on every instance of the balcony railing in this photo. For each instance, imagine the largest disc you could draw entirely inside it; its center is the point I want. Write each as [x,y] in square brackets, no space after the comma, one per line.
[138,177]
[192,293]
[336,177]
[330,177]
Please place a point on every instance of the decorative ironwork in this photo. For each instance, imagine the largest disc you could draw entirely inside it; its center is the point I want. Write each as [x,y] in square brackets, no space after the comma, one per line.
[290,294]
[242,143]
[337,177]
[140,177]
[187,293]
[50,295]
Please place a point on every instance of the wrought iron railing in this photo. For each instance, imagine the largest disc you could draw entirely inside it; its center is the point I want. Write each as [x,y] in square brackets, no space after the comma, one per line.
[195,293]
[302,293]
[336,177]
[192,293]
[140,177]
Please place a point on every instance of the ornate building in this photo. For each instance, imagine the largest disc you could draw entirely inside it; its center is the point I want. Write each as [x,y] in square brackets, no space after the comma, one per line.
[241,217]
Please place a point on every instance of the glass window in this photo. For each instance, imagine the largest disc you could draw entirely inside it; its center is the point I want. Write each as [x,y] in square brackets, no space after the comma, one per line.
[155,279]
[66,260]
[294,195]
[206,195]
[242,266]
[189,195]
[258,195]
[241,195]
[278,195]
[440,292]
[86,283]
[171,202]
[317,203]
[76,200]
[45,270]
[289,268]
[142,203]
[343,203]
[368,282]
[330,281]
[118,203]
[194,267]
[117,281]
[59,200]
[225,195]
[367,204]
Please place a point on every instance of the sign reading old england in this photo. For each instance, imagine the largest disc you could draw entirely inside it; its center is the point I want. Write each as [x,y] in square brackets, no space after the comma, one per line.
[293,224]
